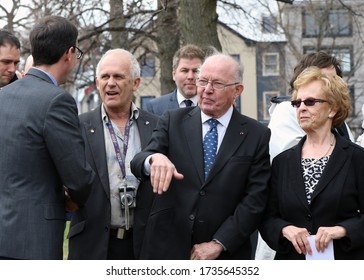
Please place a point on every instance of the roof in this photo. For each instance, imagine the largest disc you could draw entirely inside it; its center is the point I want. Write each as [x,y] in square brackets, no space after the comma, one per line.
[247,20]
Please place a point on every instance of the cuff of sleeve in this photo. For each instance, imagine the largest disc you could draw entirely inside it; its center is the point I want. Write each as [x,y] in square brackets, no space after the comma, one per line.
[147,165]
[218,242]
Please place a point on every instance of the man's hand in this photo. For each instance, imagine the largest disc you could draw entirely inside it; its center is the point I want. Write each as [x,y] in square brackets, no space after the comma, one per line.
[70,205]
[162,170]
[206,251]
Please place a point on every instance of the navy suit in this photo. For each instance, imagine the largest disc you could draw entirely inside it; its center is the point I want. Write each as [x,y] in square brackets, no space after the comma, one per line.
[89,230]
[337,200]
[163,103]
[41,151]
[228,205]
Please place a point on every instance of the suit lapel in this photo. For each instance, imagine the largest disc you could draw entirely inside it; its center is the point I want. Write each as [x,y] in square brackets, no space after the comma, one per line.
[295,175]
[145,128]
[94,132]
[235,135]
[192,126]
[335,165]
[173,102]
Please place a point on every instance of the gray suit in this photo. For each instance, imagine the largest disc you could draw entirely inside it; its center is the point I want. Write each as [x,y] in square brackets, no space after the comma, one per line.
[163,103]
[91,224]
[41,150]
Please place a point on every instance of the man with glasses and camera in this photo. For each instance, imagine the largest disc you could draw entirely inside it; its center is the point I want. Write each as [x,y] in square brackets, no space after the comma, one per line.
[114,132]
[209,166]
[42,151]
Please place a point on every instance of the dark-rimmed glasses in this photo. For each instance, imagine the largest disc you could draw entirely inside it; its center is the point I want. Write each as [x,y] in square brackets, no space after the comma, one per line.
[308,102]
[215,85]
[79,53]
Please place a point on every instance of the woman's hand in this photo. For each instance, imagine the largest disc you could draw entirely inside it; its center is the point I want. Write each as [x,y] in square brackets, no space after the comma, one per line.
[325,234]
[298,237]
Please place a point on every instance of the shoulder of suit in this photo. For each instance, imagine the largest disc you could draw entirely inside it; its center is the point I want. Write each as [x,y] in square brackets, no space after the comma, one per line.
[146,114]
[90,114]
[252,122]
[164,97]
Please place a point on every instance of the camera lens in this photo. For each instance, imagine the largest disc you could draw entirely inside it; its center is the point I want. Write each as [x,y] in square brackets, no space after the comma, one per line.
[128,198]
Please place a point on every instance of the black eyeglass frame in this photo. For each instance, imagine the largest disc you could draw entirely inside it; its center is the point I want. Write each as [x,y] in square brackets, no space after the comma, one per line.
[79,53]
[308,102]
[220,85]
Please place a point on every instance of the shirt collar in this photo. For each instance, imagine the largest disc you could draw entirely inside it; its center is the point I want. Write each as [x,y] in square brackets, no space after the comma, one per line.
[181,98]
[49,75]
[134,112]
[224,119]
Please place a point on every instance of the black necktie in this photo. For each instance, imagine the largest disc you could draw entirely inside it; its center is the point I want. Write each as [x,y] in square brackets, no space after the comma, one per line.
[188,102]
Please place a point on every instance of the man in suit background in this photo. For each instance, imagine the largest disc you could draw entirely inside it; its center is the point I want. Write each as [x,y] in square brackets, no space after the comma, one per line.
[195,216]
[9,57]
[41,148]
[186,62]
[103,222]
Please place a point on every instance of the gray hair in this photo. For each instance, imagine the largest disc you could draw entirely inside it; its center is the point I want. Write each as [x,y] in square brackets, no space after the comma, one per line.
[134,64]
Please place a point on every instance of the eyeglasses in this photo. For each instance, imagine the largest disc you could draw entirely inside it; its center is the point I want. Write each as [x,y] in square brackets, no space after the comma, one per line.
[79,53]
[215,85]
[308,102]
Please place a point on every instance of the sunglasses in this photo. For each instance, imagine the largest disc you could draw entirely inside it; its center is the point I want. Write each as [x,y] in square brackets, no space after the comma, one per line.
[308,102]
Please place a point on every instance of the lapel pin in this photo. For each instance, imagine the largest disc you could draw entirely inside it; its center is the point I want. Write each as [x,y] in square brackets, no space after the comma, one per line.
[241,133]
[146,122]
[92,130]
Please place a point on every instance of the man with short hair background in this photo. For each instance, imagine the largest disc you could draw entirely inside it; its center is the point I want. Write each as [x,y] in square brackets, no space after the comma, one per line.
[9,57]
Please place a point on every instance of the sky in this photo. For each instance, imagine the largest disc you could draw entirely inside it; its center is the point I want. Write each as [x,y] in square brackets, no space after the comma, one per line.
[247,26]
[248,22]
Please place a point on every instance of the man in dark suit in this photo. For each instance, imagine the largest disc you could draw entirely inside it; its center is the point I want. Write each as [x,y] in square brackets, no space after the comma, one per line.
[114,132]
[41,148]
[211,215]
[9,57]
[186,62]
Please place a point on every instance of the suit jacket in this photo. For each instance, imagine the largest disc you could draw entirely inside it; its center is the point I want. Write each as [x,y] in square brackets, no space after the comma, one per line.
[227,206]
[337,200]
[163,103]
[41,150]
[91,224]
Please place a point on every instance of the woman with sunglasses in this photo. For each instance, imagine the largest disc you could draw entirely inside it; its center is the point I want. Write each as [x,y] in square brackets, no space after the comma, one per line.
[317,187]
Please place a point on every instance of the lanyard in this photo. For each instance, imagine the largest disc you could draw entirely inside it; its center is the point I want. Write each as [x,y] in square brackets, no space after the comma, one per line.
[120,156]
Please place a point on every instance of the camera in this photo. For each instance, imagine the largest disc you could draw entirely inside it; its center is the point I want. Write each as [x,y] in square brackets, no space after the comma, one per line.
[127,196]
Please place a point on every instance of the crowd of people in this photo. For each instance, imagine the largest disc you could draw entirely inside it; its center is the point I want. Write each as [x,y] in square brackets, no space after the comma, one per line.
[190,177]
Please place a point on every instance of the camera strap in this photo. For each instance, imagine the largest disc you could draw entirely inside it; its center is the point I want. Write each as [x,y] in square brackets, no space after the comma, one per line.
[121,160]
[119,156]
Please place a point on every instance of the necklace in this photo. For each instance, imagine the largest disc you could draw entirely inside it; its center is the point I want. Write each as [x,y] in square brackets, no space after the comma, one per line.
[313,162]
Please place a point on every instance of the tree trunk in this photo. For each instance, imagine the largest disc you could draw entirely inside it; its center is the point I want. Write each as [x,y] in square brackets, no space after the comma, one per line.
[168,42]
[117,20]
[198,21]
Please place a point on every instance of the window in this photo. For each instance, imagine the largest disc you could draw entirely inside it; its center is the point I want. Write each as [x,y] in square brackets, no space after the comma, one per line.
[270,64]
[236,57]
[344,54]
[269,24]
[267,95]
[327,23]
[147,66]
[237,104]
[144,100]
[352,96]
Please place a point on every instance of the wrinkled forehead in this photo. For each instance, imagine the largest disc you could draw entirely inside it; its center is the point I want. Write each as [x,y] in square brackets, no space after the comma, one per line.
[217,68]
